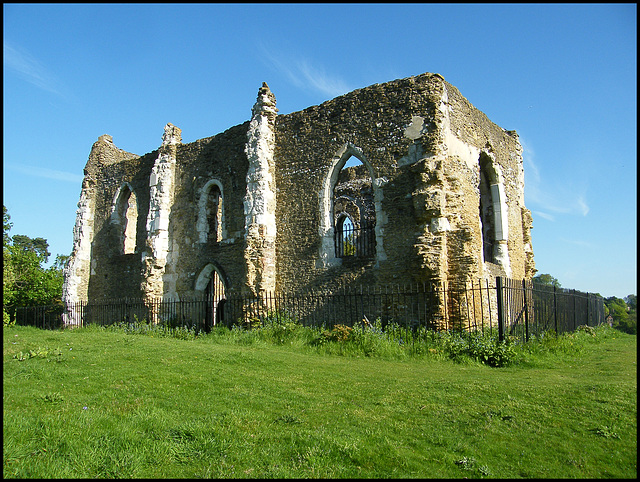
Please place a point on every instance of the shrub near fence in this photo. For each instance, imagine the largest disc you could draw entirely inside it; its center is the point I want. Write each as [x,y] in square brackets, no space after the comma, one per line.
[511,307]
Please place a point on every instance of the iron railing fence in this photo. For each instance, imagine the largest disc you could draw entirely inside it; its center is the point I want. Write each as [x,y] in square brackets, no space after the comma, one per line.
[510,307]
[48,317]
[532,309]
[405,305]
[355,242]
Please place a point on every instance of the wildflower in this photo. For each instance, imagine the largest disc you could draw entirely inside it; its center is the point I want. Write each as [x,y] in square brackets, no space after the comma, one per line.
[84,408]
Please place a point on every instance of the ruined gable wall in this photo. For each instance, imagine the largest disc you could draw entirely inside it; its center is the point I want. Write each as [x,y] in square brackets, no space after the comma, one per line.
[222,158]
[374,119]
[113,274]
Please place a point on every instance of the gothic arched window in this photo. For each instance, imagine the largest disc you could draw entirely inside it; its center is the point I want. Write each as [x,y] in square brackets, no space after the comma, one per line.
[210,225]
[124,216]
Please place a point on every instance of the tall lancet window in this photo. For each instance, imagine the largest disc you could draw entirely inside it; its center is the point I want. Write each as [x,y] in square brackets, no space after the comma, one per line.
[124,216]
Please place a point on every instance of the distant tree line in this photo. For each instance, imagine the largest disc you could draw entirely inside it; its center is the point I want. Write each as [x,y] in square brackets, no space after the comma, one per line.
[25,280]
[622,310]
[623,313]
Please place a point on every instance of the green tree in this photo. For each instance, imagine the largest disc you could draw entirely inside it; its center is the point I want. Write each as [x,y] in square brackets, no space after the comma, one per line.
[631,301]
[25,281]
[546,280]
[624,318]
[61,261]
[6,226]
[40,246]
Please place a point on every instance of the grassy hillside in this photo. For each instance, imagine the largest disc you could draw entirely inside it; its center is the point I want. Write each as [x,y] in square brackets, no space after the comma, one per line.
[98,403]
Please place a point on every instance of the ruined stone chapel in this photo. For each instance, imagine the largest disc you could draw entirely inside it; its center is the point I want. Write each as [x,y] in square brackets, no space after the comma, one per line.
[399,182]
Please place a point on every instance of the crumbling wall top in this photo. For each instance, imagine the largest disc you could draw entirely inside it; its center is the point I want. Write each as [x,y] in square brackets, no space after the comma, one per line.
[172,135]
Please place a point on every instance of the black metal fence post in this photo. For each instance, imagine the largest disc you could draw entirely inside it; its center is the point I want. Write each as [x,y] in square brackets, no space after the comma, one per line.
[526,311]
[500,300]
[575,310]
[555,310]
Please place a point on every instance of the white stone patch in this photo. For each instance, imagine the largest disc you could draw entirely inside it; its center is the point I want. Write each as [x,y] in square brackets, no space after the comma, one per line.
[452,145]
[416,128]
[160,200]
[439,225]
[204,277]
[161,184]
[501,256]
[381,217]
[456,148]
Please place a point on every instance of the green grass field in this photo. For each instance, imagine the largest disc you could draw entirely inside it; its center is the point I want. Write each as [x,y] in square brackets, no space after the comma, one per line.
[97,403]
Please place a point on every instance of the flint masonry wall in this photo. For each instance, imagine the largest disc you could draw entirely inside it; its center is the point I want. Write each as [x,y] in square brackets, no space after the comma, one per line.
[421,142]
[220,159]
[445,183]
[313,145]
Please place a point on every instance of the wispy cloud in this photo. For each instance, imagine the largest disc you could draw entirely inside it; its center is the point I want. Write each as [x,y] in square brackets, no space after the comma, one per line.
[46,173]
[582,205]
[551,196]
[578,242]
[30,69]
[544,215]
[304,74]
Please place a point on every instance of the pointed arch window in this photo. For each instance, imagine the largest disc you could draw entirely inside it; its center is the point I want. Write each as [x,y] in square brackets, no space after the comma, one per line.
[354,211]
[124,216]
[211,283]
[210,227]
[492,208]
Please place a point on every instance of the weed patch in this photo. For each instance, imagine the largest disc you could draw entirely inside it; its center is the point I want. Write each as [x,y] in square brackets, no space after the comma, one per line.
[55,354]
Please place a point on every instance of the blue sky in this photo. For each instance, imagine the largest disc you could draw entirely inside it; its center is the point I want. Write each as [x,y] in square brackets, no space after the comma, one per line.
[563,76]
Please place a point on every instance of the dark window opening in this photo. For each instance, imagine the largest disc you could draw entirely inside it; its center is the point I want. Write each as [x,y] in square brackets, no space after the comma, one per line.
[214,214]
[487,214]
[354,211]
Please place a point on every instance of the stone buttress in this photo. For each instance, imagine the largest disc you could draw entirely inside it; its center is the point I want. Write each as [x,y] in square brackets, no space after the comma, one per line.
[161,185]
[260,199]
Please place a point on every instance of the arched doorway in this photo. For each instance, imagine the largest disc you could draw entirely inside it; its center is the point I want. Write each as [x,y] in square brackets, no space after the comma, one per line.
[211,283]
[215,299]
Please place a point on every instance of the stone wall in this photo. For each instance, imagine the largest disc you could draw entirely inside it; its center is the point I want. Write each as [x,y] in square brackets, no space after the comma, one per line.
[98,267]
[218,161]
[258,204]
